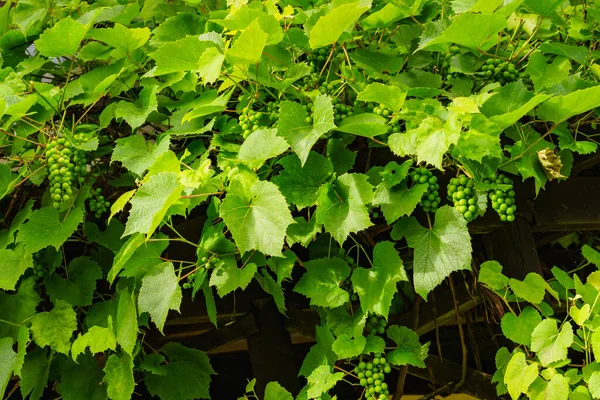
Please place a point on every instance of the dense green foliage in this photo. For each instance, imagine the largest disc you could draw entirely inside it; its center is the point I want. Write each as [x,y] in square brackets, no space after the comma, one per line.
[291,125]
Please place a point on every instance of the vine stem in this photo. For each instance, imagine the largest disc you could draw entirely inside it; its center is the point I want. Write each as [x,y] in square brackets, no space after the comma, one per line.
[463,374]
[22,138]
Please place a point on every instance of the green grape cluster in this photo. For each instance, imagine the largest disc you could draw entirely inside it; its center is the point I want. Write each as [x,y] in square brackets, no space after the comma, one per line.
[504,201]
[207,263]
[250,120]
[98,204]
[309,108]
[445,68]
[341,111]
[317,59]
[66,165]
[496,70]
[371,375]
[271,110]
[376,325]
[461,191]
[431,198]
[38,268]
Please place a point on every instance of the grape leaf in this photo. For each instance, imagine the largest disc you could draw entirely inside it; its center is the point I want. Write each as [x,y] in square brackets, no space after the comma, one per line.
[320,354]
[28,12]
[185,366]
[519,329]
[55,328]
[365,124]
[98,339]
[44,228]
[137,155]
[268,284]
[549,343]
[519,375]
[258,218]
[439,251]
[409,350]
[185,54]
[159,293]
[321,282]
[78,288]
[560,108]
[329,27]
[151,202]
[24,340]
[118,375]
[126,321]
[545,8]
[248,47]
[35,374]
[13,264]
[302,232]
[282,267]
[429,141]
[18,307]
[321,380]
[261,145]
[594,384]
[531,289]
[375,344]
[475,31]
[300,134]
[345,347]
[136,113]
[490,273]
[376,286]
[125,253]
[122,37]
[227,277]
[390,96]
[557,388]
[62,40]
[481,140]
[8,359]
[83,380]
[398,202]
[342,205]
[274,391]
[300,184]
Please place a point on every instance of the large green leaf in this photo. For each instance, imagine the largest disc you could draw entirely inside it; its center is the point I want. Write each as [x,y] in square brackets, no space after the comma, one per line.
[376,286]
[439,251]
[98,339]
[274,391]
[300,134]
[399,201]
[55,328]
[258,218]
[185,54]
[186,376]
[227,277]
[545,8]
[365,124]
[549,343]
[137,155]
[126,322]
[561,108]
[519,375]
[475,31]
[321,282]
[261,145]
[519,328]
[119,377]
[390,96]
[18,307]
[8,359]
[341,205]
[159,293]
[481,140]
[62,40]
[151,202]
[321,380]
[13,264]
[135,113]
[121,37]
[248,47]
[409,350]
[429,141]
[321,353]
[45,228]
[78,287]
[300,184]
[35,373]
[330,26]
